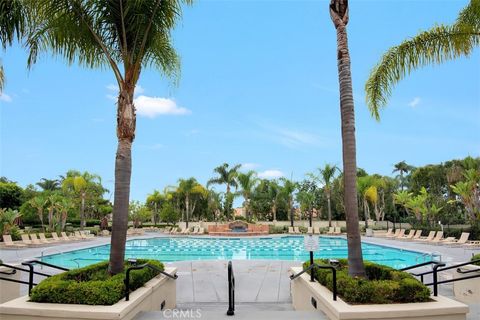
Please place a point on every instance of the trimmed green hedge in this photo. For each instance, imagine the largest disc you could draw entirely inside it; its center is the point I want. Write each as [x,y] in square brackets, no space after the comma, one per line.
[476,257]
[92,285]
[382,285]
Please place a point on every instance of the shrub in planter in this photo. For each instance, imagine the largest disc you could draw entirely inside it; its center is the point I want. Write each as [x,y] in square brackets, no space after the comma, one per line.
[476,257]
[382,284]
[91,285]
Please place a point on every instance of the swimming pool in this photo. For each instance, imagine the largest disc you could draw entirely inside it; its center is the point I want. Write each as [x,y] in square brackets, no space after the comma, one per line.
[265,248]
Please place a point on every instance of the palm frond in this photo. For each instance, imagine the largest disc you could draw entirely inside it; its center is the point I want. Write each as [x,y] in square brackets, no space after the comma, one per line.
[437,45]
[12,21]
[2,78]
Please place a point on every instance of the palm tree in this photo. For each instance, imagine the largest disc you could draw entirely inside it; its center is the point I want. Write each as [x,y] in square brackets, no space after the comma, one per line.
[63,205]
[38,203]
[274,196]
[339,15]
[82,185]
[326,177]
[226,175]
[247,182]
[437,45]
[126,36]
[12,26]
[287,190]
[155,201]
[402,168]
[190,188]
[49,184]
[8,219]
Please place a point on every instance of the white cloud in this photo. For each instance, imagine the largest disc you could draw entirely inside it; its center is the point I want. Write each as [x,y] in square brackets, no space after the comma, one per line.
[112,87]
[295,138]
[270,174]
[249,166]
[5,97]
[154,106]
[415,102]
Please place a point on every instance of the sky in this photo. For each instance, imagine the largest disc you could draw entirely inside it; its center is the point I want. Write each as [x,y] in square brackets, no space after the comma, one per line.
[258,87]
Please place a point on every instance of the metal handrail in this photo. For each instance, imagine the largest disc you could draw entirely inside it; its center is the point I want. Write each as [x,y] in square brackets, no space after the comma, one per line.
[314,265]
[21,269]
[419,265]
[138,267]
[31,272]
[231,290]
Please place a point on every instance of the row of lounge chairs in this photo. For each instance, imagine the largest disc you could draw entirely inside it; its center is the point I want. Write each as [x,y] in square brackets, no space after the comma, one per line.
[33,241]
[175,230]
[315,230]
[433,237]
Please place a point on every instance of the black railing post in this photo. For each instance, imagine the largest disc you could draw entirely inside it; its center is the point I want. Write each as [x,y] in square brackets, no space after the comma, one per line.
[312,271]
[334,278]
[30,278]
[231,290]
[435,276]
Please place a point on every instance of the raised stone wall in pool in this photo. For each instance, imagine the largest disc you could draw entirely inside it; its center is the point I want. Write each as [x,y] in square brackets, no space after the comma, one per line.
[238,229]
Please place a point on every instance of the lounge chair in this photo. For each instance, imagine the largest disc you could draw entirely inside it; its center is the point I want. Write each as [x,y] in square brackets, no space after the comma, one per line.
[26,240]
[185,231]
[65,237]
[43,239]
[310,230]
[195,230]
[296,230]
[409,236]
[316,230]
[55,237]
[80,236]
[88,235]
[463,240]
[8,242]
[430,237]
[35,240]
[167,229]
[290,230]
[337,231]
[383,234]
[417,235]
[331,230]
[174,230]
[201,231]
[438,237]
[395,234]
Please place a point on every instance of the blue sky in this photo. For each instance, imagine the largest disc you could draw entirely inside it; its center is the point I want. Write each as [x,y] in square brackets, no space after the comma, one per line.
[258,86]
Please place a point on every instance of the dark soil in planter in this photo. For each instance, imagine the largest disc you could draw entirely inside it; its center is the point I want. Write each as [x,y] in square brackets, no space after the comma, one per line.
[91,285]
[383,285]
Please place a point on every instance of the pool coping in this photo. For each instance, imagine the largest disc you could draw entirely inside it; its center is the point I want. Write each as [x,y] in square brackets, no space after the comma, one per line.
[271,236]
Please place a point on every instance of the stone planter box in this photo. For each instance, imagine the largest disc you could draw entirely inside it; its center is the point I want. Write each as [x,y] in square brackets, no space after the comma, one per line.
[467,290]
[157,294]
[305,294]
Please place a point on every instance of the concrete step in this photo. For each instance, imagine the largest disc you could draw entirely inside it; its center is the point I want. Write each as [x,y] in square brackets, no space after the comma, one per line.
[243,311]
[247,315]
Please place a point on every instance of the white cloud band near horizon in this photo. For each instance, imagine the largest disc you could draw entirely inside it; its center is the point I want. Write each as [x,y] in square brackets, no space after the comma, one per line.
[271,174]
[5,97]
[154,106]
[415,102]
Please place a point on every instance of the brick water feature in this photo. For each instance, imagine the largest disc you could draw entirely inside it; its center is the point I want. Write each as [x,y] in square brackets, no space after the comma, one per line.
[237,229]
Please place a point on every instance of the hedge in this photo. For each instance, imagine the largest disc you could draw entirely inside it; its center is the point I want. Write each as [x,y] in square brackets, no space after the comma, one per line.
[382,284]
[91,285]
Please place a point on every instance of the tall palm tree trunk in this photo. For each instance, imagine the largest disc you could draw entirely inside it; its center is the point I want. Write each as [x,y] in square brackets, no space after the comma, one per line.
[123,169]
[82,212]
[339,15]
[187,209]
[329,209]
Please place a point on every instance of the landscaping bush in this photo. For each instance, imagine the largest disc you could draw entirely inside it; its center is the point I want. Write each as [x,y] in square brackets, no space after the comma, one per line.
[476,257]
[91,285]
[88,222]
[382,285]
[276,229]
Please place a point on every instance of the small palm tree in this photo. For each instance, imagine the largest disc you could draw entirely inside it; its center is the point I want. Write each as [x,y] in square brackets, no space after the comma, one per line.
[12,27]
[49,184]
[340,16]
[247,182]
[287,190]
[155,201]
[228,176]
[62,206]
[127,37]
[190,188]
[437,45]
[38,203]
[326,177]
[8,219]
[402,168]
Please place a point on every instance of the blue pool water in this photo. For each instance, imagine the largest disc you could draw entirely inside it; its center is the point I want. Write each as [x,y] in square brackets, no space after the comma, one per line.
[275,248]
